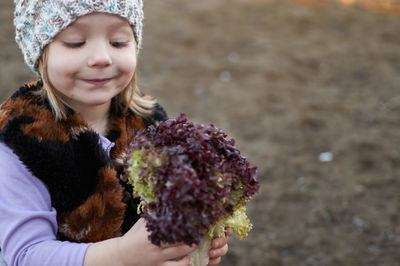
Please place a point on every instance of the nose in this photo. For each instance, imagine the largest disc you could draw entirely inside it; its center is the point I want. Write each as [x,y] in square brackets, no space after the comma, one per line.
[99,56]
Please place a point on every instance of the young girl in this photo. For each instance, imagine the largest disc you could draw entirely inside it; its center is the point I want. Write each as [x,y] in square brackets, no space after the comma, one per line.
[63,200]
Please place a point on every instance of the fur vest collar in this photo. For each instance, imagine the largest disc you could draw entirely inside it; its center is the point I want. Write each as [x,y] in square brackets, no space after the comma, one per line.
[93,202]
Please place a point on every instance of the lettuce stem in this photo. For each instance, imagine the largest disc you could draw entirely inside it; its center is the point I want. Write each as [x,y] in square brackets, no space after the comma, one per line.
[199,256]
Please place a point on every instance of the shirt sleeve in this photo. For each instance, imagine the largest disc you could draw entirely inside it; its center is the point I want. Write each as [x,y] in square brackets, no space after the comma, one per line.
[28,223]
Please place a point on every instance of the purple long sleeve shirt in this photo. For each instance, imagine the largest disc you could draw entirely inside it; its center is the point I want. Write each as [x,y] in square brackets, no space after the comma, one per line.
[28,224]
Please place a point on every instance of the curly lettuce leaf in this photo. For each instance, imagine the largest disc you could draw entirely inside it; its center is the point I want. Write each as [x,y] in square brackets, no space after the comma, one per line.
[143,186]
[238,221]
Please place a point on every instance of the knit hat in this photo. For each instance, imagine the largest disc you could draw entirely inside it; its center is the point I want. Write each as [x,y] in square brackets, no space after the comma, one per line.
[37,22]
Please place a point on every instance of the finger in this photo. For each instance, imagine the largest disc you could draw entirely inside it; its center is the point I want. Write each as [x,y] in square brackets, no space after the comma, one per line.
[181,262]
[169,245]
[214,253]
[229,231]
[214,261]
[141,223]
[178,251]
[219,242]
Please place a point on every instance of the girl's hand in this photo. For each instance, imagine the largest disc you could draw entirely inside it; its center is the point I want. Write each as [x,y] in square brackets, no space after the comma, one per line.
[136,249]
[219,247]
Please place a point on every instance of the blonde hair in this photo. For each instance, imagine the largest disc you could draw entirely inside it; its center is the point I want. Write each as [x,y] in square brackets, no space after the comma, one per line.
[130,98]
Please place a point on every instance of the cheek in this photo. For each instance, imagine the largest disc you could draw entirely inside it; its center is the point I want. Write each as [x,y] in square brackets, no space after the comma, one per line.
[60,65]
[127,64]
[53,71]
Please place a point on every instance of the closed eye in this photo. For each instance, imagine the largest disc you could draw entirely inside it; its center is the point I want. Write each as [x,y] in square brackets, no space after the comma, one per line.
[74,44]
[119,44]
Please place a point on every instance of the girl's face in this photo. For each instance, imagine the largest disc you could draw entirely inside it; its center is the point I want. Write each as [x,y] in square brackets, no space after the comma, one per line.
[92,60]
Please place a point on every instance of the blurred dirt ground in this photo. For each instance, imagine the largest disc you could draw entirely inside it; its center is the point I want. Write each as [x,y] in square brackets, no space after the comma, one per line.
[311,97]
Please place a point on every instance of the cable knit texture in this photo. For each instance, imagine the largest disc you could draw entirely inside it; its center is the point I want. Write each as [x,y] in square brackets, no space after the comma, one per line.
[37,22]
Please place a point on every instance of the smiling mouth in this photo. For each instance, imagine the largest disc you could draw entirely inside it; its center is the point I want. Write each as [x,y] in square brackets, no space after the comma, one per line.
[97,82]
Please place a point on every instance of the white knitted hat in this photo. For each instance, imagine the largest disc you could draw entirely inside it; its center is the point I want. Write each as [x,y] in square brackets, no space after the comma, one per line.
[37,22]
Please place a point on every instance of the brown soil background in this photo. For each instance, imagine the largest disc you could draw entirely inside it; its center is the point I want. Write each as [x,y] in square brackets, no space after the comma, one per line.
[288,82]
